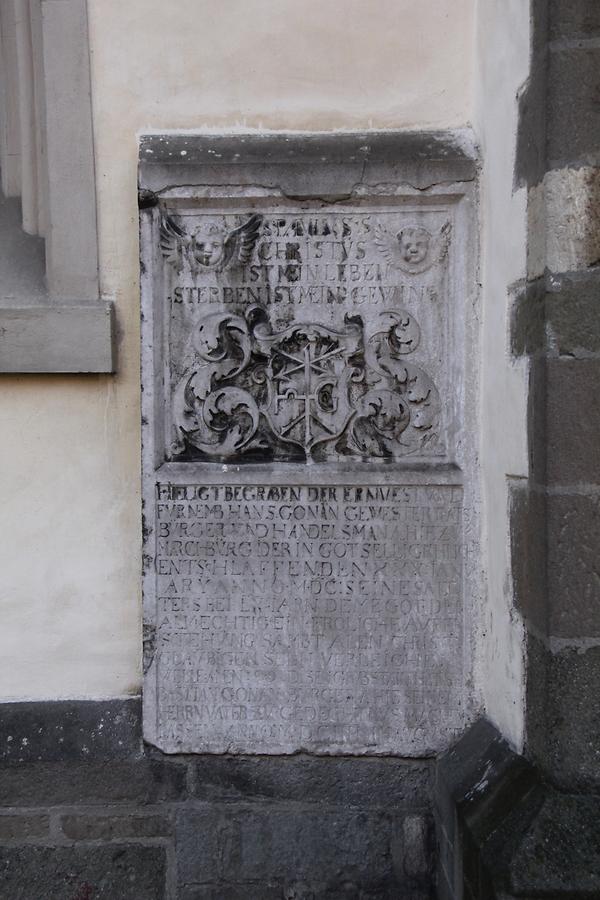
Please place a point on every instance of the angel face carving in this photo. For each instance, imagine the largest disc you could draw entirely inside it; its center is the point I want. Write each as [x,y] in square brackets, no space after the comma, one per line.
[208,248]
[413,249]
[414,244]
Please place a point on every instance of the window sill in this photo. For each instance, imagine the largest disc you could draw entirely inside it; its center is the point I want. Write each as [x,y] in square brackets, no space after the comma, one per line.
[39,333]
[58,338]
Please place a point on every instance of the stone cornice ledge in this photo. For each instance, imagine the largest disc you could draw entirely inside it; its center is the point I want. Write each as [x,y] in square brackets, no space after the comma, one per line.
[306,163]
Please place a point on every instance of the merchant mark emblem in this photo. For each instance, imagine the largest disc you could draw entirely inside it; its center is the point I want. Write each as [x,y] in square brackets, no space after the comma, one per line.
[305,393]
[308,380]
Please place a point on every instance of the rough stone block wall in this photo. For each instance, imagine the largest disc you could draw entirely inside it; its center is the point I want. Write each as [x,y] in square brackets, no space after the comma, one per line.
[544,842]
[557,325]
[87,812]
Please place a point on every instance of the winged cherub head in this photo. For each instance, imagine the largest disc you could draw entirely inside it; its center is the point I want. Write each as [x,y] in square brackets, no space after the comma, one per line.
[208,245]
[414,244]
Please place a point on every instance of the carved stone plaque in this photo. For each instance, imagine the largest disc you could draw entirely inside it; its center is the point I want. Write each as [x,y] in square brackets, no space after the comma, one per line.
[304,454]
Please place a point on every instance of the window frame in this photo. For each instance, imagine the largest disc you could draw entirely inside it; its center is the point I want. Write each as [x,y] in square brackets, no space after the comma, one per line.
[71,329]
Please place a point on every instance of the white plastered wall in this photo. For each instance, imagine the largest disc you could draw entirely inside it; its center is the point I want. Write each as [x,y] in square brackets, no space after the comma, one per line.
[502,65]
[69,458]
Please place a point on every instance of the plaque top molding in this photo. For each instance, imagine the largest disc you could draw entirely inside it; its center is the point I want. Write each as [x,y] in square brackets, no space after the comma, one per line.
[423,158]
[240,147]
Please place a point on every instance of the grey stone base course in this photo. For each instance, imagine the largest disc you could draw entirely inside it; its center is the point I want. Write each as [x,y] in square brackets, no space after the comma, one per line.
[294,891]
[82,873]
[67,731]
[87,812]
[503,834]
[143,825]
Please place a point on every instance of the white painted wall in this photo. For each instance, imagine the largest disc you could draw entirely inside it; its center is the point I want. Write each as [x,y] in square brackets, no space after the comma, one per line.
[502,62]
[69,458]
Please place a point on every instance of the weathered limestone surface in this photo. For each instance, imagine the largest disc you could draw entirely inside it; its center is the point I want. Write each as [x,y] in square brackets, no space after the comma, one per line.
[310,501]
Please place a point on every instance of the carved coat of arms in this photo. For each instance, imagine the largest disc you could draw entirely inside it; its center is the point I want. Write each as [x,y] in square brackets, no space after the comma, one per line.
[307,392]
[308,377]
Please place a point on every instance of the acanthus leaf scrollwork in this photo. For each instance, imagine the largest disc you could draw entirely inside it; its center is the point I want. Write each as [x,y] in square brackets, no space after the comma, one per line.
[306,392]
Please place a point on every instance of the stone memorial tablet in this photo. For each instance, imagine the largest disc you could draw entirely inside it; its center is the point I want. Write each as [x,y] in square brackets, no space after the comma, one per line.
[307,418]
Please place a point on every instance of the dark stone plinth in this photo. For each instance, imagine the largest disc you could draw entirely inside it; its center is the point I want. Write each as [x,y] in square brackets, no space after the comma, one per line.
[368,782]
[504,834]
[69,730]
[479,782]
